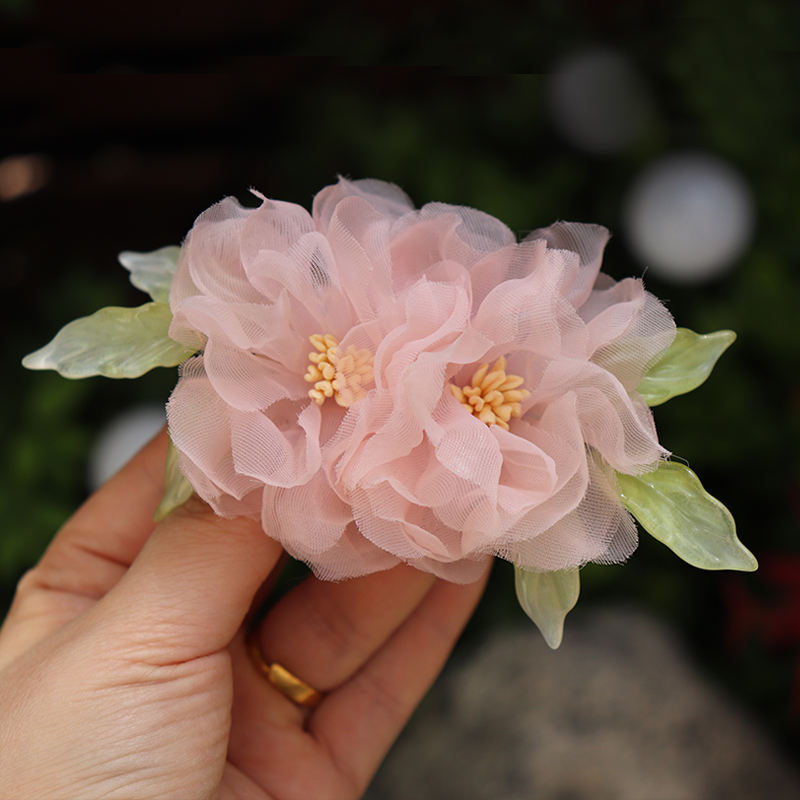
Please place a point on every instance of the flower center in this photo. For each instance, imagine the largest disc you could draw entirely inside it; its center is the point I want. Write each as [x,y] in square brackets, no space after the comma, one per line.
[492,396]
[344,377]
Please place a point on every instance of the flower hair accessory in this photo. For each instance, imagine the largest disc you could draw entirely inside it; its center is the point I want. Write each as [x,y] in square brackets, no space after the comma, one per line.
[378,384]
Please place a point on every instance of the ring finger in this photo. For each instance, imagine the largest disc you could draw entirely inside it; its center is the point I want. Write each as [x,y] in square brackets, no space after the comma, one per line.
[323,632]
[374,643]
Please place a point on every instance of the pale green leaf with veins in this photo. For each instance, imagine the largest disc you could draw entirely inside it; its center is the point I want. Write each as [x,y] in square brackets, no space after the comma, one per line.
[115,342]
[687,362]
[152,272]
[547,597]
[177,490]
[672,506]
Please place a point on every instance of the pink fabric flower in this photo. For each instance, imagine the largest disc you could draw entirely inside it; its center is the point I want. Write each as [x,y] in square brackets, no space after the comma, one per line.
[381,448]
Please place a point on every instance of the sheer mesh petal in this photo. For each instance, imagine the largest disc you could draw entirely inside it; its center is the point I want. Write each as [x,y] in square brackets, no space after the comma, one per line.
[358,237]
[249,382]
[417,244]
[274,225]
[587,242]
[617,425]
[531,313]
[386,198]
[279,449]
[509,263]
[308,519]
[213,257]
[467,570]
[410,377]
[201,430]
[397,524]
[181,290]
[316,527]
[629,330]
[353,556]
[599,529]
[422,303]
[539,459]
[457,438]
[480,232]
[247,326]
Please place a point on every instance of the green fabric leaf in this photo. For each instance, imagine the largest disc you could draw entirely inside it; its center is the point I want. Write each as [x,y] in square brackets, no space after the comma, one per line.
[115,342]
[684,366]
[672,506]
[152,272]
[547,597]
[177,490]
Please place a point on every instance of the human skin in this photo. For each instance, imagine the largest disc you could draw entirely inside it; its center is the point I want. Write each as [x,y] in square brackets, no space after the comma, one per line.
[124,671]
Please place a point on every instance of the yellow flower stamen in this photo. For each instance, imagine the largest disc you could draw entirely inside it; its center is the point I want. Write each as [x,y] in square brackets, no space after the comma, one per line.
[492,396]
[344,377]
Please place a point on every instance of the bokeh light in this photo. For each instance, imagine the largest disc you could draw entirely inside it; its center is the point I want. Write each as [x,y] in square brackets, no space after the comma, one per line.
[598,102]
[689,217]
[121,438]
[21,175]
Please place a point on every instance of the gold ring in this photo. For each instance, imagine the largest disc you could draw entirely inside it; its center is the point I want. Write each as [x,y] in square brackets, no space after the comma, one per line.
[287,684]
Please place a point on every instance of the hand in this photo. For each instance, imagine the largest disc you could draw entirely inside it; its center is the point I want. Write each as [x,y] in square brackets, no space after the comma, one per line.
[124,671]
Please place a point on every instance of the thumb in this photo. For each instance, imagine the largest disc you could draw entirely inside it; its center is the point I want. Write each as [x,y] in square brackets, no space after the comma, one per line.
[189,590]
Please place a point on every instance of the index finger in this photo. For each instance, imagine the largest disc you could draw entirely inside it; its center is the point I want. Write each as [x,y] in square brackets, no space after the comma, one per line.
[100,541]
[89,554]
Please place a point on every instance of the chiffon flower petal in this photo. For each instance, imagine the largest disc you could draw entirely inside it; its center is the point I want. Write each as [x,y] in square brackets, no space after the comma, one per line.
[200,421]
[380,384]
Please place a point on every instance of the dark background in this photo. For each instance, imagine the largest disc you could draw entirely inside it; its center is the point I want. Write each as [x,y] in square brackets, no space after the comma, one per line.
[140,117]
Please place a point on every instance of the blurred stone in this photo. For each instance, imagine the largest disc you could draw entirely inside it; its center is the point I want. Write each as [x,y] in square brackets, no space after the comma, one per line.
[617,713]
